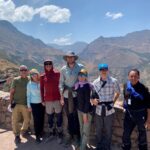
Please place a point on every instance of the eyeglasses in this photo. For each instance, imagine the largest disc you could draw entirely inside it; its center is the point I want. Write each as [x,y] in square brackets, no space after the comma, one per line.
[23,70]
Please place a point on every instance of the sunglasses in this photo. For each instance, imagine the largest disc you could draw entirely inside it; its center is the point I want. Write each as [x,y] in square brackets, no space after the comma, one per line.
[103,70]
[33,74]
[47,64]
[23,70]
[82,75]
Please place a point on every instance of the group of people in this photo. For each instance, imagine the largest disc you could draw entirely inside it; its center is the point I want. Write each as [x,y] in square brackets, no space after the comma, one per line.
[70,101]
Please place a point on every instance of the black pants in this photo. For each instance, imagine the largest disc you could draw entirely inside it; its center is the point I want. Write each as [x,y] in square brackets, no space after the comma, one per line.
[131,120]
[38,111]
[73,121]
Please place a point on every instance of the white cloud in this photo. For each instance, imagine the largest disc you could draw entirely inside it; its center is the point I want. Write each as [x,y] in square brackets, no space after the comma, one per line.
[114,16]
[52,13]
[66,40]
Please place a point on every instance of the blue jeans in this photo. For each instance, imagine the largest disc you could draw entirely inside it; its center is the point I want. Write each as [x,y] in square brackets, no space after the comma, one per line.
[131,120]
[104,131]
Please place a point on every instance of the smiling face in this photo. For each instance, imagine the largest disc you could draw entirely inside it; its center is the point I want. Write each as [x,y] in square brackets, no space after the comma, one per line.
[48,66]
[70,59]
[133,77]
[34,77]
[23,73]
[82,77]
[103,73]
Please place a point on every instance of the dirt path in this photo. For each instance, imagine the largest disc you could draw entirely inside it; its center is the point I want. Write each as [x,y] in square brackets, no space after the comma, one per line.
[7,143]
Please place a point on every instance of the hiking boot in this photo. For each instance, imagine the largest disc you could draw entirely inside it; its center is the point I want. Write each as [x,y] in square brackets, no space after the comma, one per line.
[17,139]
[66,142]
[49,137]
[25,134]
[59,138]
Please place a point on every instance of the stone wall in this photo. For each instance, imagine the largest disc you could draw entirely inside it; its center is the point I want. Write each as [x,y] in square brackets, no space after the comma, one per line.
[5,122]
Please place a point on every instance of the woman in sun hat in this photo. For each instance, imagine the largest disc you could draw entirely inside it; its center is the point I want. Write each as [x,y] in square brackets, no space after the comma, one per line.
[34,103]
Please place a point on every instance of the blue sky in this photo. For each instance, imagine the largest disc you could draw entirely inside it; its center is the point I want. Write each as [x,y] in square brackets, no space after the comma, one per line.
[67,21]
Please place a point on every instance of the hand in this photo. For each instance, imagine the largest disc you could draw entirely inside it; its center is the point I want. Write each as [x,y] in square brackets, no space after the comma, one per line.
[85,118]
[29,109]
[147,124]
[94,102]
[62,101]
[43,103]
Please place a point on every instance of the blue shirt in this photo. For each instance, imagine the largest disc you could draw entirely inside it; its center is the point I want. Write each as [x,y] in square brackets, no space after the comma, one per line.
[69,77]
[33,93]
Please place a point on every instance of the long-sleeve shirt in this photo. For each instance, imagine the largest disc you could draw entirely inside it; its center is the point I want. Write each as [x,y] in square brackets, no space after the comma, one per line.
[83,98]
[136,102]
[33,93]
[69,78]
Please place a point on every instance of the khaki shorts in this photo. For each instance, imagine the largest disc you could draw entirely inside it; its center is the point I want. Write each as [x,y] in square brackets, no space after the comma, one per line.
[53,106]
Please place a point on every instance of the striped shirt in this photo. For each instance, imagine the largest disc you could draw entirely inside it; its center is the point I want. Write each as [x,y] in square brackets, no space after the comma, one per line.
[106,93]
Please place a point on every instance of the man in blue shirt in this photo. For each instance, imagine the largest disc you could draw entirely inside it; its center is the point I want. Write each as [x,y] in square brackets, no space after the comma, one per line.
[68,78]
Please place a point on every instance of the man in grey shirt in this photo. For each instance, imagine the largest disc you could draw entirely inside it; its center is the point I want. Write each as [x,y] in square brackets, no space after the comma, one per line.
[68,78]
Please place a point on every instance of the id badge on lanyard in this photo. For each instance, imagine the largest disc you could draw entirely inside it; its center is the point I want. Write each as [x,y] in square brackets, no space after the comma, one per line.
[129,101]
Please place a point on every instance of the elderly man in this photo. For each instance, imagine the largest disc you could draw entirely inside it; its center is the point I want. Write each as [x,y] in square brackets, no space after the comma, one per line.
[137,105]
[106,91]
[18,100]
[69,74]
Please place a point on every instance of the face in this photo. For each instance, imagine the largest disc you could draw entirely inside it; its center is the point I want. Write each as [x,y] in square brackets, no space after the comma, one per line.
[34,76]
[82,78]
[23,73]
[103,73]
[133,77]
[70,59]
[48,66]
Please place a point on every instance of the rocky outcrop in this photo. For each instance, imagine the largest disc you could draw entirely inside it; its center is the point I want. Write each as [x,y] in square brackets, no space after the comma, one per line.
[5,121]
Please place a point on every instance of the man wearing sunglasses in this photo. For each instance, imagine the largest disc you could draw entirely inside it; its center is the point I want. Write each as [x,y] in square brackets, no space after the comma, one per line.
[69,75]
[18,100]
[49,85]
[106,92]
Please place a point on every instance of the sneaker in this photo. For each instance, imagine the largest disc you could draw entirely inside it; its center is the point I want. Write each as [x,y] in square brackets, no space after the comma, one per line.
[38,140]
[17,139]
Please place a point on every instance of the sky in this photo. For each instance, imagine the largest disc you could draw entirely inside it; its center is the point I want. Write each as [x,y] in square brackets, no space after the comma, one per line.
[64,22]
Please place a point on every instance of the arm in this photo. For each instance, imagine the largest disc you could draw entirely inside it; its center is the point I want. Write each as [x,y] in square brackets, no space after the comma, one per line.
[147,97]
[61,87]
[116,96]
[12,91]
[117,91]
[42,88]
[28,95]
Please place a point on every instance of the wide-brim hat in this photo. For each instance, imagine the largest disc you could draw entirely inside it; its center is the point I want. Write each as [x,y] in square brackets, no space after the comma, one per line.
[34,71]
[70,54]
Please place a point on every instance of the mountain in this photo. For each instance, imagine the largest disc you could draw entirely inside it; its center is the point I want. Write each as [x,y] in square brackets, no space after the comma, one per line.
[23,49]
[77,47]
[121,53]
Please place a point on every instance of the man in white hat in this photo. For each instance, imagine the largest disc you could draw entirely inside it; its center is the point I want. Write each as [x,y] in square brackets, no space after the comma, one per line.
[69,74]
